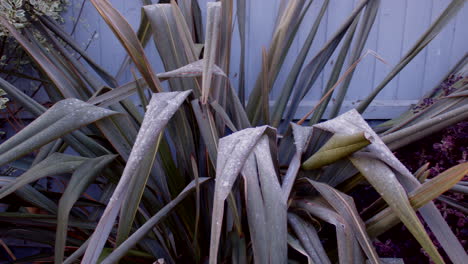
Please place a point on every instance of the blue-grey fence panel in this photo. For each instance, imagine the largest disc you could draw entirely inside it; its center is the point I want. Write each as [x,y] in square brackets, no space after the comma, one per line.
[398,26]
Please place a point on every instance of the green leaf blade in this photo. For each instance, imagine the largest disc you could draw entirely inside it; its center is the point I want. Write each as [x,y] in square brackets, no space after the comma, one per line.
[80,180]
[161,108]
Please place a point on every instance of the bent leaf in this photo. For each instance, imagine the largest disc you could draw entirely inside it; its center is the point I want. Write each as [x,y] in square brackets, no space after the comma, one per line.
[336,148]
[61,119]
[77,140]
[351,122]
[266,210]
[430,190]
[31,195]
[309,239]
[384,181]
[194,69]
[345,206]
[296,244]
[233,152]
[56,163]
[161,108]
[80,180]
[344,236]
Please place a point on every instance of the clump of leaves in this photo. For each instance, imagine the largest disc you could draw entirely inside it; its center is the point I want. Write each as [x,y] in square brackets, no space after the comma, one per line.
[199,177]
[435,153]
[21,13]
[441,150]
[428,157]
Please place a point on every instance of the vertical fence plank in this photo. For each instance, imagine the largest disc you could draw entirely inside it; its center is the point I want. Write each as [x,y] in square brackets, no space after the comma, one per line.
[418,18]
[87,32]
[318,43]
[291,56]
[260,23]
[437,63]
[392,23]
[460,42]
[363,78]
[111,51]
[339,12]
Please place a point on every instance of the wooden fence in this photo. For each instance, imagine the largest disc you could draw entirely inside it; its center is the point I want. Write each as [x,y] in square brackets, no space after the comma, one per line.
[399,24]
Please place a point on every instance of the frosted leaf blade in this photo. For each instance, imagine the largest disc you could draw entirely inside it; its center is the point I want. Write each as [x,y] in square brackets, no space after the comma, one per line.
[161,108]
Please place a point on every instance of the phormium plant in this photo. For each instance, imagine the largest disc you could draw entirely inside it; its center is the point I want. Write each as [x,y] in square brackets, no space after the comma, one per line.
[198,177]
